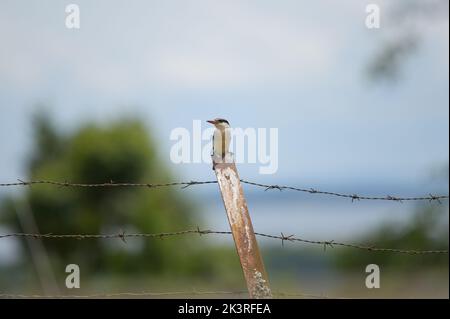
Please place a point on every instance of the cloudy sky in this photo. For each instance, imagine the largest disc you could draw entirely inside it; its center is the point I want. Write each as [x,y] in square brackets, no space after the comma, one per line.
[298,66]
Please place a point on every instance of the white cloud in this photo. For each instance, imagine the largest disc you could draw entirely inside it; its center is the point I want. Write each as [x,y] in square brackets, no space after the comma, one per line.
[202,44]
[244,46]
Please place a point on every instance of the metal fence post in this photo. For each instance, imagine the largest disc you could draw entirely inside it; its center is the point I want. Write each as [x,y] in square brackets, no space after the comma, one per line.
[242,229]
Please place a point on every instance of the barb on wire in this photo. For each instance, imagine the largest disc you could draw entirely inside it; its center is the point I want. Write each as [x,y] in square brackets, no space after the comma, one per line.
[283,238]
[184,185]
[326,244]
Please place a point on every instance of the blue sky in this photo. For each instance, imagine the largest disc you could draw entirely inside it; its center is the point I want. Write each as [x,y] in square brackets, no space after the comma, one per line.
[298,66]
[294,65]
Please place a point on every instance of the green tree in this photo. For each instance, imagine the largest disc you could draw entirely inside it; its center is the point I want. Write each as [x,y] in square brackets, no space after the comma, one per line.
[405,22]
[427,230]
[120,152]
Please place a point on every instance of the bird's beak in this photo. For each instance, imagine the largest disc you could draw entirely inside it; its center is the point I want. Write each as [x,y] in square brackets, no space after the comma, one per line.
[211,121]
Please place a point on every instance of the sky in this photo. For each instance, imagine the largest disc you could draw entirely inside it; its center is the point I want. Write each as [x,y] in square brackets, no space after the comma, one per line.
[293,65]
[298,66]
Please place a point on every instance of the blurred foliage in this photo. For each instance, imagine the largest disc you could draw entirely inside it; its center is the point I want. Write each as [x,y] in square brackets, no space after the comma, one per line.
[427,230]
[387,63]
[120,152]
[406,22]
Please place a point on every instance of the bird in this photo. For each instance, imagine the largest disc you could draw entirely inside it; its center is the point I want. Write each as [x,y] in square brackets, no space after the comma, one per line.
[221,138]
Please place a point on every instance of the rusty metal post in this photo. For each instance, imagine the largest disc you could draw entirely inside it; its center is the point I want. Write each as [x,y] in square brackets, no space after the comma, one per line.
[242,229]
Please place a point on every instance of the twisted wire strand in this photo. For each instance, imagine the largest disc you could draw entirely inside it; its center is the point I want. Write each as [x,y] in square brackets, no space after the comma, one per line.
[290,238]
[193,292]
[354,197]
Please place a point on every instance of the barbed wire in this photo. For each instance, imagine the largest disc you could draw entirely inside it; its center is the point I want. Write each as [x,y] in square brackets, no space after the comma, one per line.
[192,292]
[126,294]
[354,197]
[105,184]
[291,238]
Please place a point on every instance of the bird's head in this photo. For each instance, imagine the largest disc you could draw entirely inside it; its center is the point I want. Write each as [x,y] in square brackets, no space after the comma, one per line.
[219,123]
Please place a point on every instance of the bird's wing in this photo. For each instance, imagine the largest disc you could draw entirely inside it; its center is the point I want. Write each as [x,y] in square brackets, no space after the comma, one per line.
[213,144]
